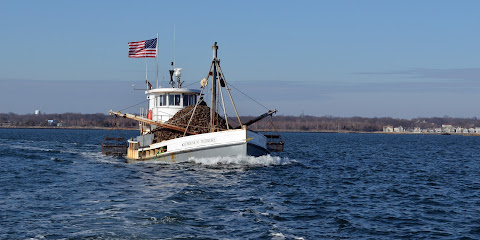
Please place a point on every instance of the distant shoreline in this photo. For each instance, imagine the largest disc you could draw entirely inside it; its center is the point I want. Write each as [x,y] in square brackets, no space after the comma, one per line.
[262,130]
[302,123]
[378,132]
[54,127]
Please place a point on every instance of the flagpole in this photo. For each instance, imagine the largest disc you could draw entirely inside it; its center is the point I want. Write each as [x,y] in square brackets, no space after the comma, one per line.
[146,67]
[157,59]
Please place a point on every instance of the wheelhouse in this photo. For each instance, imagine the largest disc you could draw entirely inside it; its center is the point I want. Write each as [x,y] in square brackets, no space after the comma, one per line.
[163,103]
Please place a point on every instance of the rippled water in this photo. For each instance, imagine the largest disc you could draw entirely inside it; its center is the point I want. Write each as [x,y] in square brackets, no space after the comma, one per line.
[55,184]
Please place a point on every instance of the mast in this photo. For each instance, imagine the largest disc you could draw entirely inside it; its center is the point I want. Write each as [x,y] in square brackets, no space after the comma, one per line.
[214,89]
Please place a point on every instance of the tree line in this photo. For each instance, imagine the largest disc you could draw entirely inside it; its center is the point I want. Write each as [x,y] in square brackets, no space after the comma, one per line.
[280,123]
[99,120]
[355,124]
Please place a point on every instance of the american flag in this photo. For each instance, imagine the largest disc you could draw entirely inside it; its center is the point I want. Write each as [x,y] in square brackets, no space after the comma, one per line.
[143,49]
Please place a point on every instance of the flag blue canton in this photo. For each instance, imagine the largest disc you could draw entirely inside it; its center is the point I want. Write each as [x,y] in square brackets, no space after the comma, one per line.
[151,44]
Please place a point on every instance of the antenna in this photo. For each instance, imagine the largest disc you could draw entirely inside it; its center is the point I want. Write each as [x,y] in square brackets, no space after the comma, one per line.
[173,46]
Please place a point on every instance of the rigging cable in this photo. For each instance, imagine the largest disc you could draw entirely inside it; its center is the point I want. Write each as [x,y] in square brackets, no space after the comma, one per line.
[134,105]
[249,97]
[193,83]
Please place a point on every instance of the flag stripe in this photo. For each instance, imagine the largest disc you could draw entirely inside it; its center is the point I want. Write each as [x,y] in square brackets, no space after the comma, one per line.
[143,49]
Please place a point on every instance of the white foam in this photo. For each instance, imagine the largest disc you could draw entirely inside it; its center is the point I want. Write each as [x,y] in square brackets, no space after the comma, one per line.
[277,235]
[99,157]
[266,160]
[37,237]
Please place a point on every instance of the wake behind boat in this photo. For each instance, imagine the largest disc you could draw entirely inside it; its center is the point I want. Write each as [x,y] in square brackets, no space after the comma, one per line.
[179,125]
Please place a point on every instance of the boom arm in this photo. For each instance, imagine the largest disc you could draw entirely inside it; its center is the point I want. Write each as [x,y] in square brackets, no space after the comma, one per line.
[270,112]
[146,120]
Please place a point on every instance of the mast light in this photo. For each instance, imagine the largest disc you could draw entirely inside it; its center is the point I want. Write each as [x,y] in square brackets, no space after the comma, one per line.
[178,72]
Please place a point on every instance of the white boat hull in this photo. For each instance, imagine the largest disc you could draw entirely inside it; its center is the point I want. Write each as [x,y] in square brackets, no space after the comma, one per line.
[238,142]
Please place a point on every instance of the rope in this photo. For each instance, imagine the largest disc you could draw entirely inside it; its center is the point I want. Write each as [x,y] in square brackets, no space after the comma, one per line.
[193,83]
[248,96]
[134,105]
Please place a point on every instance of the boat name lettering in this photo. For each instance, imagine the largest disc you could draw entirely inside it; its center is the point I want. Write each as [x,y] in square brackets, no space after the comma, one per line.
[208,140]
[189,143]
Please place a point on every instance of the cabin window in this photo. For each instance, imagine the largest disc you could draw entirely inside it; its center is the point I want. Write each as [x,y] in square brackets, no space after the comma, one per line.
[177,100]
[161,100]
[189,100]
[174,99]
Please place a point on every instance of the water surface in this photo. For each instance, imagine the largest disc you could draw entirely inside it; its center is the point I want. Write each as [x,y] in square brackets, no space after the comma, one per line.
[55,184]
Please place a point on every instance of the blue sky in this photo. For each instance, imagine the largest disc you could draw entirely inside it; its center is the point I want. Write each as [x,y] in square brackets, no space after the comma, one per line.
[401,59]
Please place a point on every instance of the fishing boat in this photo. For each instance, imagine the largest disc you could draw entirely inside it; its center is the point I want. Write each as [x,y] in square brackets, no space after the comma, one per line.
[213,139]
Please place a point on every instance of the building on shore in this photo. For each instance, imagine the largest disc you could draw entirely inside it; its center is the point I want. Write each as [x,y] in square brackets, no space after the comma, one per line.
[443,129]
[447,128]
[388,128]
